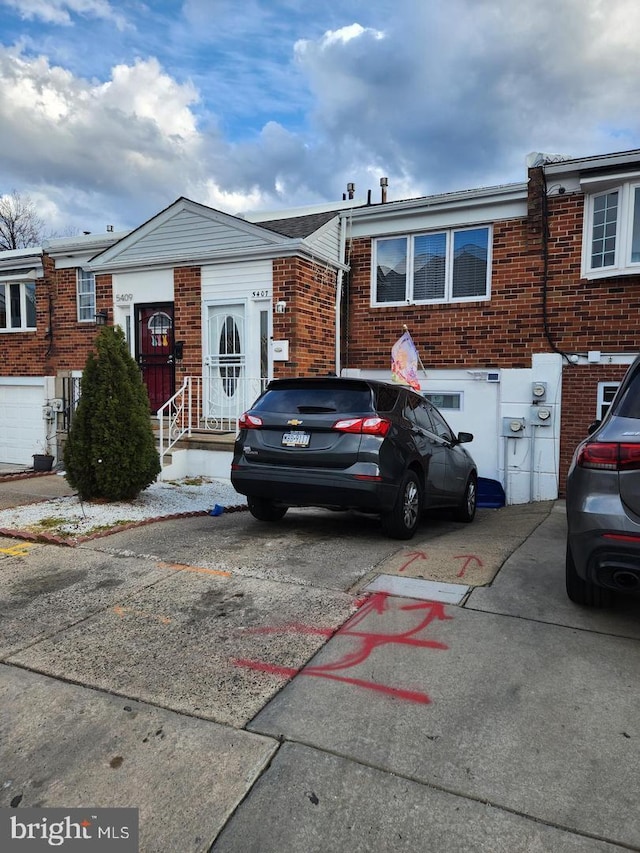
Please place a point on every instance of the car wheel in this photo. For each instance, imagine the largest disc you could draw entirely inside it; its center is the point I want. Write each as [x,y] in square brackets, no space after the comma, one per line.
[466,510]
[581,591]
[265,510]
[402,521]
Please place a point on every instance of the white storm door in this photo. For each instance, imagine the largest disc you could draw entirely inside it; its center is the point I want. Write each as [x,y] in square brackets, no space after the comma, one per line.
[225,366]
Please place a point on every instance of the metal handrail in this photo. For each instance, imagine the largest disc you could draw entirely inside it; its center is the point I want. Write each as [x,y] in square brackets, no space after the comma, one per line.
[203,404]
[177,411]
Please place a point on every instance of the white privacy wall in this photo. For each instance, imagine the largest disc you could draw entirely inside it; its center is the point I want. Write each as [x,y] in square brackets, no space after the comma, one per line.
[526,461]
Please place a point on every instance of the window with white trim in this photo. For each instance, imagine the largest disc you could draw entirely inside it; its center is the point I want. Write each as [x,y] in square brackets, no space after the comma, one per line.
[86,296]
[612,231]
[445,400]
[606,393]
[441,266]
[17,306]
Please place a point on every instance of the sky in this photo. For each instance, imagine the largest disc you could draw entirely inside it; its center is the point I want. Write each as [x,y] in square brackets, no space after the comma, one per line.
[110,110]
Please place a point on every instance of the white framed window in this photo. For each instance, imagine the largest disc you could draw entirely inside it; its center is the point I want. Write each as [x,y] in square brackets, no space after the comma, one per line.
[440,266]
[17,306]
[611,234]
[86,296]
[606,393]
[445,400]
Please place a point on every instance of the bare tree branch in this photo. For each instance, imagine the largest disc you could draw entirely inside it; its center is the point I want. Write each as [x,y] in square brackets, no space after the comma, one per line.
[20,225]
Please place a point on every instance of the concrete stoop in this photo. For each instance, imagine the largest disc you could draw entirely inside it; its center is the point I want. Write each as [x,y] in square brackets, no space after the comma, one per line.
[201,454]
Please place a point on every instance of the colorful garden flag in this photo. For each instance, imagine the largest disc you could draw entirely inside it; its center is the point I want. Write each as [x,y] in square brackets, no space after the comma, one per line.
[404,362]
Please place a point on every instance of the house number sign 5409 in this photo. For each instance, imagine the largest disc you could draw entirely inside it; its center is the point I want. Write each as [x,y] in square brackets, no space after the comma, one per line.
[124,297]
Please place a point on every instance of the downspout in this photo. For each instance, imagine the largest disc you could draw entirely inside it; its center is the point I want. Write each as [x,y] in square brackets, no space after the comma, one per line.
[545,270]
[338,306]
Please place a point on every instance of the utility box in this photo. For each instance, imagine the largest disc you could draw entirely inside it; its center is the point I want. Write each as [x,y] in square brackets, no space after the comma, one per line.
[539,391]
[541,416]
[513,427]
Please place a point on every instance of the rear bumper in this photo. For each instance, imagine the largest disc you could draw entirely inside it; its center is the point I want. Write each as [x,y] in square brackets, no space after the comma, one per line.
[318,488]
[605,542]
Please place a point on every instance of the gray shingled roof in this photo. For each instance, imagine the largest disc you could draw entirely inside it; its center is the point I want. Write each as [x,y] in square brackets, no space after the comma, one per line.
[298,226]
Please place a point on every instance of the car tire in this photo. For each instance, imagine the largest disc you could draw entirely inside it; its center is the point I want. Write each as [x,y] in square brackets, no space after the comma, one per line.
[466,510]
[265,510]
[402,522]
[581,591]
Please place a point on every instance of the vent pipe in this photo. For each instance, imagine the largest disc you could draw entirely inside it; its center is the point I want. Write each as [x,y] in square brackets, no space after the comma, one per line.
[351,188]
[384,183]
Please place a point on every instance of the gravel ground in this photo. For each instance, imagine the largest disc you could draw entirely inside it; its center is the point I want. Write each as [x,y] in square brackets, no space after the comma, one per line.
[69,516]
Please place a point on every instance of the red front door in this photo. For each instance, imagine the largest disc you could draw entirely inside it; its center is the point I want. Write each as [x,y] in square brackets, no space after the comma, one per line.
[155,351]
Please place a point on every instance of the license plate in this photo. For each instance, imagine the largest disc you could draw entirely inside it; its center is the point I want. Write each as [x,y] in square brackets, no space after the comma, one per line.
[296,439]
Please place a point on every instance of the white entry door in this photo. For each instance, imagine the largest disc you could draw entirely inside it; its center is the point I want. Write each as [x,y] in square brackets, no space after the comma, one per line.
[235,364]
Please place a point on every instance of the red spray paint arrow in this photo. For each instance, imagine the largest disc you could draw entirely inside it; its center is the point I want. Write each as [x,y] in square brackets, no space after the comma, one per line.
[413,556]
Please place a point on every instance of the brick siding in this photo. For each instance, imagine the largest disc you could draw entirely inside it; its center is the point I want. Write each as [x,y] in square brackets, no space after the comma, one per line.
[309,320]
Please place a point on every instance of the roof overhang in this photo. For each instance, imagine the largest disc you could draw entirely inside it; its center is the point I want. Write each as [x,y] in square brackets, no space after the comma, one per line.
[21,264]
[624,161]
[289,248]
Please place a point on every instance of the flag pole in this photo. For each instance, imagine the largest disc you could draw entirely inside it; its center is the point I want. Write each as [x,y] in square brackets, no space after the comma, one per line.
[405,328]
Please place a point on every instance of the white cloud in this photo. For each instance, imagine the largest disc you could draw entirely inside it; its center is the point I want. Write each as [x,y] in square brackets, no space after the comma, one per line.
[61,11]
[283,105]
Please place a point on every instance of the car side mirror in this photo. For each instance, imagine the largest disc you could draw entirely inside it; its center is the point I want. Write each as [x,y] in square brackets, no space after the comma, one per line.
[464,437]
[593,427]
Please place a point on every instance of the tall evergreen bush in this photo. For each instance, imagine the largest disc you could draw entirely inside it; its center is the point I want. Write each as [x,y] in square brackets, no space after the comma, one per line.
[111,451]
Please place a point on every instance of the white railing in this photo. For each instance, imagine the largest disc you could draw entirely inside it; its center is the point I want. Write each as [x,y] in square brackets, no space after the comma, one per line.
[226,397]
[211,404]
[175,418]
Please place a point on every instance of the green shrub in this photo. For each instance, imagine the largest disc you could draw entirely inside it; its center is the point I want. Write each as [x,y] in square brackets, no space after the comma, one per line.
[111,451]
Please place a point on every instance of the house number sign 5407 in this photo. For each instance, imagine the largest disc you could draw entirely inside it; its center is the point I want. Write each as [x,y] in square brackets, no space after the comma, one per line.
[124,297]
[260,294]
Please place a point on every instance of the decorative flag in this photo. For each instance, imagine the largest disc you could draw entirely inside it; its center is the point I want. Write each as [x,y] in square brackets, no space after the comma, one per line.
[404,362]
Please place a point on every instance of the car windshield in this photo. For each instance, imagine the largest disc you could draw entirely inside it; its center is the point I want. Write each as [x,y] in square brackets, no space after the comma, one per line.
[316,400]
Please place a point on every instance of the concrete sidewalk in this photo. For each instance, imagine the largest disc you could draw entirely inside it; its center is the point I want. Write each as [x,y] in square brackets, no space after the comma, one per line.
[509,724]
[19,487]
[246,711]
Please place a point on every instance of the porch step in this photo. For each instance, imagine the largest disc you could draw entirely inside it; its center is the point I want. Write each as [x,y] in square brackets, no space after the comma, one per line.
[201,439]
[206,440]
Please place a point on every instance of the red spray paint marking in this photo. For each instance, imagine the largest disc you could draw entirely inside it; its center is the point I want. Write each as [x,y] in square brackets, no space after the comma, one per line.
[293,628]
[289,672]
[413,556]
[469,559]
[368,642]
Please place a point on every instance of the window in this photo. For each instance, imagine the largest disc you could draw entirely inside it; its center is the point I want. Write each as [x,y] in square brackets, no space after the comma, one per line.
[86,290]
[606,393]
[441,426]
[444,266]
[612,231]
[446,400]
[17,306]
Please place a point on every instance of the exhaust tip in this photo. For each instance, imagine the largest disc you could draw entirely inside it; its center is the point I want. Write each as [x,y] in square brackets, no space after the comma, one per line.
[626,580]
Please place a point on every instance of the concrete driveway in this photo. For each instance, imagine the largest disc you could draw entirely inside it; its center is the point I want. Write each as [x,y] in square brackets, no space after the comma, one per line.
[295,687]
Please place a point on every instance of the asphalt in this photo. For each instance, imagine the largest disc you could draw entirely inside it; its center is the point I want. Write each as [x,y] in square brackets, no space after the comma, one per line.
[295,689]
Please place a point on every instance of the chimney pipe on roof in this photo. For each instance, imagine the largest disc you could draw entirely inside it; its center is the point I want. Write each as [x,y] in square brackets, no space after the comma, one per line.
[384,183]
[351,188]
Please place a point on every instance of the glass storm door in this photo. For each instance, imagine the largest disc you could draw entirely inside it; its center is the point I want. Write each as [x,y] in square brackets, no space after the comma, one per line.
[155,351]
[225,391]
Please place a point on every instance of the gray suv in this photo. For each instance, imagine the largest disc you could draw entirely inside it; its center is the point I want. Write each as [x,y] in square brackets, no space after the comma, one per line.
[603,502]
[351,444]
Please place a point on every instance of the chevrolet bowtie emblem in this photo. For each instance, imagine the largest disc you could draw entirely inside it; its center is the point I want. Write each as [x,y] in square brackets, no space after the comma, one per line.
[294,422]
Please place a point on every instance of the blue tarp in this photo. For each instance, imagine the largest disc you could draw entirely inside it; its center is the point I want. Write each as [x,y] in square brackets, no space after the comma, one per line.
[490,493]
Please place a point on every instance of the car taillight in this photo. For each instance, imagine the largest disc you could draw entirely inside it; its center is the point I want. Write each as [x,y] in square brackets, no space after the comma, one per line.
[610,456]
[364,426]
[247,421]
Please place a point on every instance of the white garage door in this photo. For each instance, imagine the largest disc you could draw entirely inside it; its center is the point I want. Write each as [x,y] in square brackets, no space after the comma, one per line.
[22,429]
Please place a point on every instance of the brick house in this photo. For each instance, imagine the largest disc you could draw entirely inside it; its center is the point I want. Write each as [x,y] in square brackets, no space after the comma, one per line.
[521,299]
